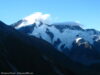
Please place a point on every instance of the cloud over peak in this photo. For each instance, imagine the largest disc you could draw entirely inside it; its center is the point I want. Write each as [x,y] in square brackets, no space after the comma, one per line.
[38,16]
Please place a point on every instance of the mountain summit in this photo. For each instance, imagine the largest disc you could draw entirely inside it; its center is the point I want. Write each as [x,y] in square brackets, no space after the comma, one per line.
[34,18]
[36,25]
[69,37]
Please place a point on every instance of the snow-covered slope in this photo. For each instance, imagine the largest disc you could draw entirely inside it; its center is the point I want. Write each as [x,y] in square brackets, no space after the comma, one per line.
[61,35]
[34,18]
[81,45]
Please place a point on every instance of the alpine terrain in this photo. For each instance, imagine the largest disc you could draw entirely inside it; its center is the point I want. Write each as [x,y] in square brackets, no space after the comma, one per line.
[82,45]
[35,46]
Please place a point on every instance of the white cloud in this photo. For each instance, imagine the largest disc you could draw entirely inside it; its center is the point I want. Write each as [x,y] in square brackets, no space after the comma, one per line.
[38,16]
[81,25]
[77,21]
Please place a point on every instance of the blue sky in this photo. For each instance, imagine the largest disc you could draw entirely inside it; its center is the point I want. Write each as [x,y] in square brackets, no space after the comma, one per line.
[87,12]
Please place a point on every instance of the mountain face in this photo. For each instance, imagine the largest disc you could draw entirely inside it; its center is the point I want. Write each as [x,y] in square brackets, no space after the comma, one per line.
[79,44]
[23,53]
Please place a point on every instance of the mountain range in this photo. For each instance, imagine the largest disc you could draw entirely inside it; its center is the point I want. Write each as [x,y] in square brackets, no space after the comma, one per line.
[82,45]
[49,49]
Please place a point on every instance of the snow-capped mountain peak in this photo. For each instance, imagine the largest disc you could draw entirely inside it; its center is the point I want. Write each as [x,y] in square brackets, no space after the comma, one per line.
[35,18]
[61,35]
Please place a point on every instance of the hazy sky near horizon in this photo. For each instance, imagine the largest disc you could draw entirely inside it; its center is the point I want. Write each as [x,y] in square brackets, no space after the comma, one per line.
[87,12]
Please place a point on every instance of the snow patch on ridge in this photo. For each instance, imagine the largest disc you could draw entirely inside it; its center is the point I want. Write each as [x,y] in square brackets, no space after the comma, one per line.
[78,39]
